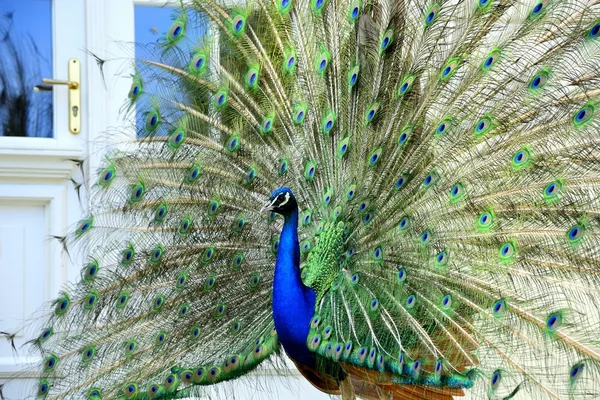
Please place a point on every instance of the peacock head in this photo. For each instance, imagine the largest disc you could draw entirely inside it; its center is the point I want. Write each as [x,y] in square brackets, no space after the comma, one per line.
[281,201]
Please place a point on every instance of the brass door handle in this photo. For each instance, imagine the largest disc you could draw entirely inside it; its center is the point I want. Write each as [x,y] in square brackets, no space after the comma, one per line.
[49,81]
[74,84]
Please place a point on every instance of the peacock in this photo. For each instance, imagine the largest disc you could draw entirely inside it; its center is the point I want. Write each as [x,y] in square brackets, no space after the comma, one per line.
[402,196]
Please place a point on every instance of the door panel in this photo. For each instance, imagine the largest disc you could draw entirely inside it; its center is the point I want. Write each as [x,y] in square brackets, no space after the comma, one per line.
[21,226]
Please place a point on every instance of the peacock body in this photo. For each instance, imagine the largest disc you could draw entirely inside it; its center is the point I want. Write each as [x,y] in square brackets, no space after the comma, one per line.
[430,177]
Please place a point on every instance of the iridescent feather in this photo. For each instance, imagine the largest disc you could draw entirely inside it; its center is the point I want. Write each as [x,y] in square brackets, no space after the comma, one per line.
[444,160]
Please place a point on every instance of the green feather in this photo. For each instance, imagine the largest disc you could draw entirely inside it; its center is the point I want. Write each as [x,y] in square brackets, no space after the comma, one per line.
[443,156]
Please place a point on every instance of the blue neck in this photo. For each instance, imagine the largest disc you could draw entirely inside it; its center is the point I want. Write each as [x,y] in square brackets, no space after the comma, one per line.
[293,302]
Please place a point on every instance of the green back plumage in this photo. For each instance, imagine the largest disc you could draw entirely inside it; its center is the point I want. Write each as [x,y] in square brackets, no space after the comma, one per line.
[444,158]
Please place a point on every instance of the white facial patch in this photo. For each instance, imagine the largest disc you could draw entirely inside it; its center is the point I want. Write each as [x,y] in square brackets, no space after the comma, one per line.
[287,198]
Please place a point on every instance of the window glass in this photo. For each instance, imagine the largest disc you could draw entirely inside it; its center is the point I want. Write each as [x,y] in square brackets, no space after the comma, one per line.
[26,54]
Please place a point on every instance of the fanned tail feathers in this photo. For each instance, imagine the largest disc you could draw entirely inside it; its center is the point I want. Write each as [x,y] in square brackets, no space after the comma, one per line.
[444,156]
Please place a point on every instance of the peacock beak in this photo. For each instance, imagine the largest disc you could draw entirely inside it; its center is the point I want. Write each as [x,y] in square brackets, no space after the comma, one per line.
[269,206]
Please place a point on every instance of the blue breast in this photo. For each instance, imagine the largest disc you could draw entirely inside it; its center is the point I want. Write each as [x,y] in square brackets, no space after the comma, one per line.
[293,302]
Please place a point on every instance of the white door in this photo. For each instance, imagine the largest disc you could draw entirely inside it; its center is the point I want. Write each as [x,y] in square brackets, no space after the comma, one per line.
[39,154]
